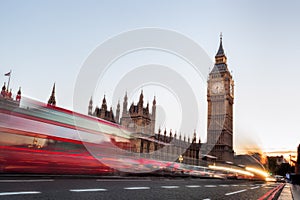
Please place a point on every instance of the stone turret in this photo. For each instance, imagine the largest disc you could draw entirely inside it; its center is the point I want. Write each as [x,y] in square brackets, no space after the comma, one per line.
[138,118]
[103,113]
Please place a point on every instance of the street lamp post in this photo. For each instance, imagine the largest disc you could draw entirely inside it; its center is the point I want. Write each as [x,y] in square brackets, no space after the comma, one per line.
[180,158]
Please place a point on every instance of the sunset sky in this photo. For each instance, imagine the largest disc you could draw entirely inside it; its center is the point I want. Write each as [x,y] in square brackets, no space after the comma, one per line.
[43,42]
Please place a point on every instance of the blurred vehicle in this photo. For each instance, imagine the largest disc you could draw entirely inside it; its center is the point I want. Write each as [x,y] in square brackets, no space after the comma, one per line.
[279,178]
[40,138]
[270,179]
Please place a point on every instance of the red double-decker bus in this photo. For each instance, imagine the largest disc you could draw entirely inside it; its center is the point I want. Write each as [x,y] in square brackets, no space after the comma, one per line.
[38,138]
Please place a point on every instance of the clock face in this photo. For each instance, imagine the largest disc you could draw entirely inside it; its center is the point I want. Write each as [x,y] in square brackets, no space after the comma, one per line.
[217,88]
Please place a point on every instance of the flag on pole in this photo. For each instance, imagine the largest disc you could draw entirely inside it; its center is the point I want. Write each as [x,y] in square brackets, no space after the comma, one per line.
[7,74]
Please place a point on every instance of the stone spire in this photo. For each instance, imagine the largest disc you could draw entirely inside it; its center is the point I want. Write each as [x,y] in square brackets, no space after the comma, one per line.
[90,108]
[147,107]
[111,115]
[104,105]
[4,87]
[52,100]
[118,113]
[3,91]
[125,103]
[141,101]
[220,57]
[153,115]
[158,135]
[102,113]
[153,109]
[18,97]
[194,137]
[221,50]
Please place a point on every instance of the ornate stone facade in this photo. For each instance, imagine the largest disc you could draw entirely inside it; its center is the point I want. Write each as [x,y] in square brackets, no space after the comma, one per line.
[141,123]
[139,120]
[220,95]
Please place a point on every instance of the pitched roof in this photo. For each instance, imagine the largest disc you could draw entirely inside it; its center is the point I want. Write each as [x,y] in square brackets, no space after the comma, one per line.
[221,50]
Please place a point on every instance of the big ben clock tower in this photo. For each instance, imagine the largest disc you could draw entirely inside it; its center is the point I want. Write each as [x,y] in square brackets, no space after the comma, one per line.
[220,95]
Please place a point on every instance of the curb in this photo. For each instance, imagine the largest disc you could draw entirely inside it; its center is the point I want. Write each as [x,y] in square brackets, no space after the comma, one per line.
[286,193]
[273,194]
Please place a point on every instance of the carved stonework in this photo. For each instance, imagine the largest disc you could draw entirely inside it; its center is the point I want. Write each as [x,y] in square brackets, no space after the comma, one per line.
[220,109]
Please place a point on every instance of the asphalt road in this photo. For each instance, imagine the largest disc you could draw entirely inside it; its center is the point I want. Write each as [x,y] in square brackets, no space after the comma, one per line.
[130,188]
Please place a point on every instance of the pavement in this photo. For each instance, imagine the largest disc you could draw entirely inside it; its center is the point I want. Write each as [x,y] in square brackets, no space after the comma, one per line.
[295,189]
[290,191]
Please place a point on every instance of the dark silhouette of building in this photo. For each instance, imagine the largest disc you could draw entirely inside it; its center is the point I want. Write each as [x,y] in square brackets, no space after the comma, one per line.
[297,164]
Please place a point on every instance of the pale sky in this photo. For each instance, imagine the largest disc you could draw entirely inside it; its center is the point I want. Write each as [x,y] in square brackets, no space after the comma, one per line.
[48,41]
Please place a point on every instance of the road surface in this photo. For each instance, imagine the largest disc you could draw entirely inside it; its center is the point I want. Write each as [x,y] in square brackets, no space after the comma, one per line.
[130,188]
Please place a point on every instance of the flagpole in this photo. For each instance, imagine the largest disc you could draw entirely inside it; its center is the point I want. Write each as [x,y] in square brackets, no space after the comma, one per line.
[8,80]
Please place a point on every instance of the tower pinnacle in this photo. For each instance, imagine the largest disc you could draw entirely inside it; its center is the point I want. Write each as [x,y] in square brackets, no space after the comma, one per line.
[220,57]
[52,100]
[221,50]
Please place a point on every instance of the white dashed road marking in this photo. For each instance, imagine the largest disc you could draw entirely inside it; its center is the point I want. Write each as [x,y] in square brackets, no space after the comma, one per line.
[224,185]
[169,186]
[20,181]
[89,190]
[230,193]
[137,188]
[126,180]
[16,193]
[210,186]
[254,187]
[192,186]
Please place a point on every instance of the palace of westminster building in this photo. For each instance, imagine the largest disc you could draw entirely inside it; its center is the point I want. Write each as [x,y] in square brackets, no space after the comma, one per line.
[141,122]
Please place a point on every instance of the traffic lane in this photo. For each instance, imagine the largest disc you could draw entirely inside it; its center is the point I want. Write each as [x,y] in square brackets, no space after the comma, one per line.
[186,190]
[165,192]
[255,192]
[135,188]
[60,184]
